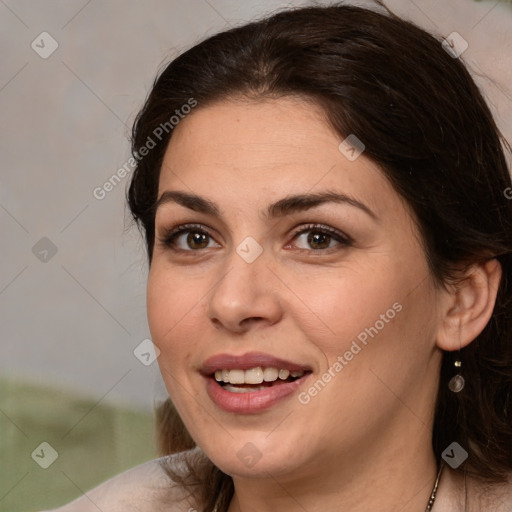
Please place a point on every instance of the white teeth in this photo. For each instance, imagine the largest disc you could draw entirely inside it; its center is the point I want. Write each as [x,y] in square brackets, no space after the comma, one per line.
[270,374]
[284,374]
[255,375]
[236,377]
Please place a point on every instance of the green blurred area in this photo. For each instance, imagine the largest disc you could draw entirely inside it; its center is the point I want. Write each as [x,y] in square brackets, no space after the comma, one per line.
[94,441]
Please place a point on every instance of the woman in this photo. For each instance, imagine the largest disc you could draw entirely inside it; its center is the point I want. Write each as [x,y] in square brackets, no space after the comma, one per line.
[323,195]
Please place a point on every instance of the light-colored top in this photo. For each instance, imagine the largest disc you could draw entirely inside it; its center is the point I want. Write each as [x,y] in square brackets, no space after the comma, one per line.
[144,488]
[147,488]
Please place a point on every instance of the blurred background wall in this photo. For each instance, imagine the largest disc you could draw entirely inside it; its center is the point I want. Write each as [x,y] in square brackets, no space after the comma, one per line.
[73,366]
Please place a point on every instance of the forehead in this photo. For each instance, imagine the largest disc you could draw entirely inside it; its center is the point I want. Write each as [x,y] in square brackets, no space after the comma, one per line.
[248,133]
[243,150]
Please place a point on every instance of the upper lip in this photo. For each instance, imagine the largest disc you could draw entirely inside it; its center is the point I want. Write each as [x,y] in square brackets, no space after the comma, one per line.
[248,361]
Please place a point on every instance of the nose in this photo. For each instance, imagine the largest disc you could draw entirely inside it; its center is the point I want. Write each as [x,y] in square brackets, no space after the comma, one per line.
[245,297]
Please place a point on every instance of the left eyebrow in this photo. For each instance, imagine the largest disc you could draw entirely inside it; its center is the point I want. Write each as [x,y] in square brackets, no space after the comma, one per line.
[301,202]
[286,206]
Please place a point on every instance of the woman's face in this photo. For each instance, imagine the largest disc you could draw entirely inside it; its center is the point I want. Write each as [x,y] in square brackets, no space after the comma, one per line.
[348,303]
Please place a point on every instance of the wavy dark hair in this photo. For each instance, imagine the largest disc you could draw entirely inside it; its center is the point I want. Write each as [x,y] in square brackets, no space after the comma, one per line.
[425,123]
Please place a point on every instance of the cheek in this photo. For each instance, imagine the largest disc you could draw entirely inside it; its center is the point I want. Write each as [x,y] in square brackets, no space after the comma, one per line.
[171,307]
[374,315]
[340,306]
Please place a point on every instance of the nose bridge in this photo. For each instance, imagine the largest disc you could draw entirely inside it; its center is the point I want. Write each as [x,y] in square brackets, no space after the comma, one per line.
[244,268]
[243,291]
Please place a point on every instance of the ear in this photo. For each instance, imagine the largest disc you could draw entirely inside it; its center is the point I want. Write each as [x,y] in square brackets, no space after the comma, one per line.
[469,306]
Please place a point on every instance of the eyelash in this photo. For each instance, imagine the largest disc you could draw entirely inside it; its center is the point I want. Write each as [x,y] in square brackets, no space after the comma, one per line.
[169,238]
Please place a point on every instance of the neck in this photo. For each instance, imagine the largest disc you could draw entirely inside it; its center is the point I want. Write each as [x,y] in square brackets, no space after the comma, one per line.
[395,475]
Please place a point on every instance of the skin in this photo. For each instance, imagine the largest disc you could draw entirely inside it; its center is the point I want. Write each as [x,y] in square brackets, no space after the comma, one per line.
[364,441]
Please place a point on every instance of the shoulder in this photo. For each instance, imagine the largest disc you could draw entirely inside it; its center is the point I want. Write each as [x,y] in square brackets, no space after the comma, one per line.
[144,488]
[467,493]
[495,497]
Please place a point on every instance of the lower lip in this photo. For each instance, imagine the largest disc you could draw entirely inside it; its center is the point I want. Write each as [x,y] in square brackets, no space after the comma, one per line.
[253,401]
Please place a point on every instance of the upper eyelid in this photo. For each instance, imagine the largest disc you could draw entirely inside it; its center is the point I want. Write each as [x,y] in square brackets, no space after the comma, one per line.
[183,228]
[180,229]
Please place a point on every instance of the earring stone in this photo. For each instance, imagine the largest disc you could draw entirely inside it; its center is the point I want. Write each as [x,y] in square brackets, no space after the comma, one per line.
[456,383]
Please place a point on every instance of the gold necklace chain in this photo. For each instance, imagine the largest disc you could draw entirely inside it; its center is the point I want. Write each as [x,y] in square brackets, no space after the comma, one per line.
[432,499]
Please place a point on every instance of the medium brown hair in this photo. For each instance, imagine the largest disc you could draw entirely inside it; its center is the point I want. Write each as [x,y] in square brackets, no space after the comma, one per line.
[425,123]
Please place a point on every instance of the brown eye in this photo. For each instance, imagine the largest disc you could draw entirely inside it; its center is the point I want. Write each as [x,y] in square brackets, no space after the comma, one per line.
[196,240]
[319,238]
[187,238]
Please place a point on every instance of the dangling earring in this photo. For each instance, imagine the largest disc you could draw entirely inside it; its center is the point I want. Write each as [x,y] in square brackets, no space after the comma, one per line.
[457,382]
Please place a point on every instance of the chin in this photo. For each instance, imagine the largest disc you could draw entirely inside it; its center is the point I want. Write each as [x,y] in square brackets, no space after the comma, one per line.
[254,454]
